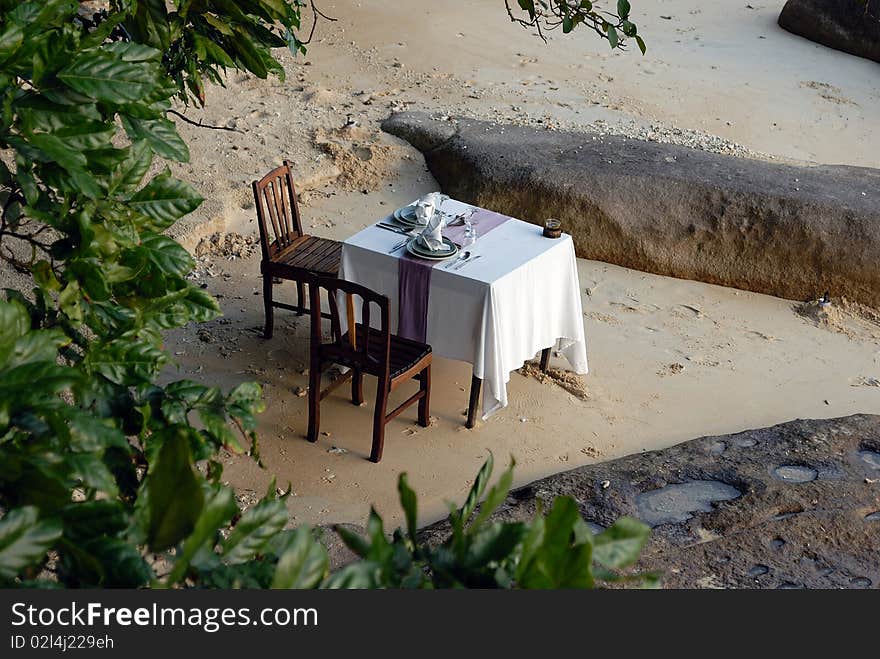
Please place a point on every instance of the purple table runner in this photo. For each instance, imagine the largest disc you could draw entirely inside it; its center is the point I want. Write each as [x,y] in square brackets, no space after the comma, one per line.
[414,278]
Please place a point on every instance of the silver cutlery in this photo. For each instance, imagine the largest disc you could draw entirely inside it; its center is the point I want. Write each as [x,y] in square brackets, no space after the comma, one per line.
[398,246]
[388,227]
[466,261]
[460,218]
[464,256]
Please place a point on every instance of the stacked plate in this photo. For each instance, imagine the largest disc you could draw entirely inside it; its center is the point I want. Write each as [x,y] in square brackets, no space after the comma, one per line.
[407,217]
[417,248]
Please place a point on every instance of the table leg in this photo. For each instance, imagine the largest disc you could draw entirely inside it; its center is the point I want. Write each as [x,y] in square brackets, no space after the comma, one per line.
[545,359]
[476,385]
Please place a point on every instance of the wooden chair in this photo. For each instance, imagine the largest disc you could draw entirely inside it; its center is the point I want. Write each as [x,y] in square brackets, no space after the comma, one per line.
[286,249]
[392,359]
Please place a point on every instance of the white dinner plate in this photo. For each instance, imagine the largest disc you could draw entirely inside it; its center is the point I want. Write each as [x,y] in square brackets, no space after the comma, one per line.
[424,253]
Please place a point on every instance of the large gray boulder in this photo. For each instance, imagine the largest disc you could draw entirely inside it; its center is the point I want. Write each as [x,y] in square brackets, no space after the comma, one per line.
[789,231]
[852,26]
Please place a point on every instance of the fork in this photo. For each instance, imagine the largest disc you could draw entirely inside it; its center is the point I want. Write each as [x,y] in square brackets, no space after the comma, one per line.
[398,246]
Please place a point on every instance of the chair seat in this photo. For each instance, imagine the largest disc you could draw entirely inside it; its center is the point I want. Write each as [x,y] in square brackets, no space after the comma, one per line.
[319,255]
[405,353]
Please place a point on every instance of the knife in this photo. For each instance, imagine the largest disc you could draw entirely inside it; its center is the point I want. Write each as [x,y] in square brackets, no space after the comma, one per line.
[388,227]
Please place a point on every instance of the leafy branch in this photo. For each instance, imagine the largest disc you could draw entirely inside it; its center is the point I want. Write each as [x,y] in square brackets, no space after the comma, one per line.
[547,15]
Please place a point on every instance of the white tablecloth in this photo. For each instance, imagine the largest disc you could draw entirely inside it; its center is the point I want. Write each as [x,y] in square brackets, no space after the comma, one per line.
[496,313]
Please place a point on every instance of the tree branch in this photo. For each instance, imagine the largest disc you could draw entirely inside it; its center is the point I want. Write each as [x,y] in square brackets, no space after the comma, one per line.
[199,124]
[316,13]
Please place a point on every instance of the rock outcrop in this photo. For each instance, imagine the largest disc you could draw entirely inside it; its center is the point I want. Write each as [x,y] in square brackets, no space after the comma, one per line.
[852,26]
[784,230]
[795,505]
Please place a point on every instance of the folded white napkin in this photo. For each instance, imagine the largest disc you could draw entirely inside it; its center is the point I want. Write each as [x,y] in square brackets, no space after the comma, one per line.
[428,214]
[428,205]
[432,236]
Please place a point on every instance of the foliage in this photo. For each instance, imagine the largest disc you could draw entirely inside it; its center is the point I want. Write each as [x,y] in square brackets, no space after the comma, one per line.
[108,478]
[98,462]
[556,550]
[546,15]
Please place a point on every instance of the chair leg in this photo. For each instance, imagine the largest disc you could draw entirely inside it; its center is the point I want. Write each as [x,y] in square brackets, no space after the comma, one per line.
[300,298]
[267,303]
[379,419]
[425,401]
[314,402]
[545,359]
[357,387]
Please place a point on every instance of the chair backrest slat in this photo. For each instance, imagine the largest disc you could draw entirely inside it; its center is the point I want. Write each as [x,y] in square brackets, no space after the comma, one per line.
[335,325]
[371,354]
[277,210]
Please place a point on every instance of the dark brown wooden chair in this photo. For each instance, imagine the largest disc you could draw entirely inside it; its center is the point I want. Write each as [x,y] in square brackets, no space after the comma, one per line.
[392,359]
[286,249]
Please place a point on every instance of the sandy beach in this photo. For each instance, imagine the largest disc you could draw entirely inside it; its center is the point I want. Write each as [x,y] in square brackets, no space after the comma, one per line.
[670,360]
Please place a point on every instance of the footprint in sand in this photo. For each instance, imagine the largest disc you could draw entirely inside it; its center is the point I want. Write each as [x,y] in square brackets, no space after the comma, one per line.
[636,307]
[755,334]
[670,369]
[686,312]
[602,317]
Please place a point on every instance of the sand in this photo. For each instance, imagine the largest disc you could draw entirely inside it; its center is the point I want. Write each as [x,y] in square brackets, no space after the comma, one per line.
[670,360]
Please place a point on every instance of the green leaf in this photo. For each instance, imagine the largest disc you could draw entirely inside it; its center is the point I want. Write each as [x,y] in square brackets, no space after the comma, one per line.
[125,362]
[36,346]
[105,77]
[24,539]
[549,559]
[150,24]
[360,575]
[494,543]
[477,489]
[641,43]
[255,528]
[166,254]
[129,51]
[88,469]
[14,323]
[612,36]
[90,274]
[496,496]
[623,8]
[409,503]
[165,199]
[567,24]
[212,51]
[160,134]
[10,40]
[129,174]
[217,511]
[353,541]
[69,301]
[304,564]
[174,494]
[124,567]
[619,545]
[17,383]
[201,307]
[219,24]
[529,6]
[90,519]
[249,55]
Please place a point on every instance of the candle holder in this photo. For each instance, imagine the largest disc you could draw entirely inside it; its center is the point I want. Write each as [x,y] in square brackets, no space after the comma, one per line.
[552,228]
